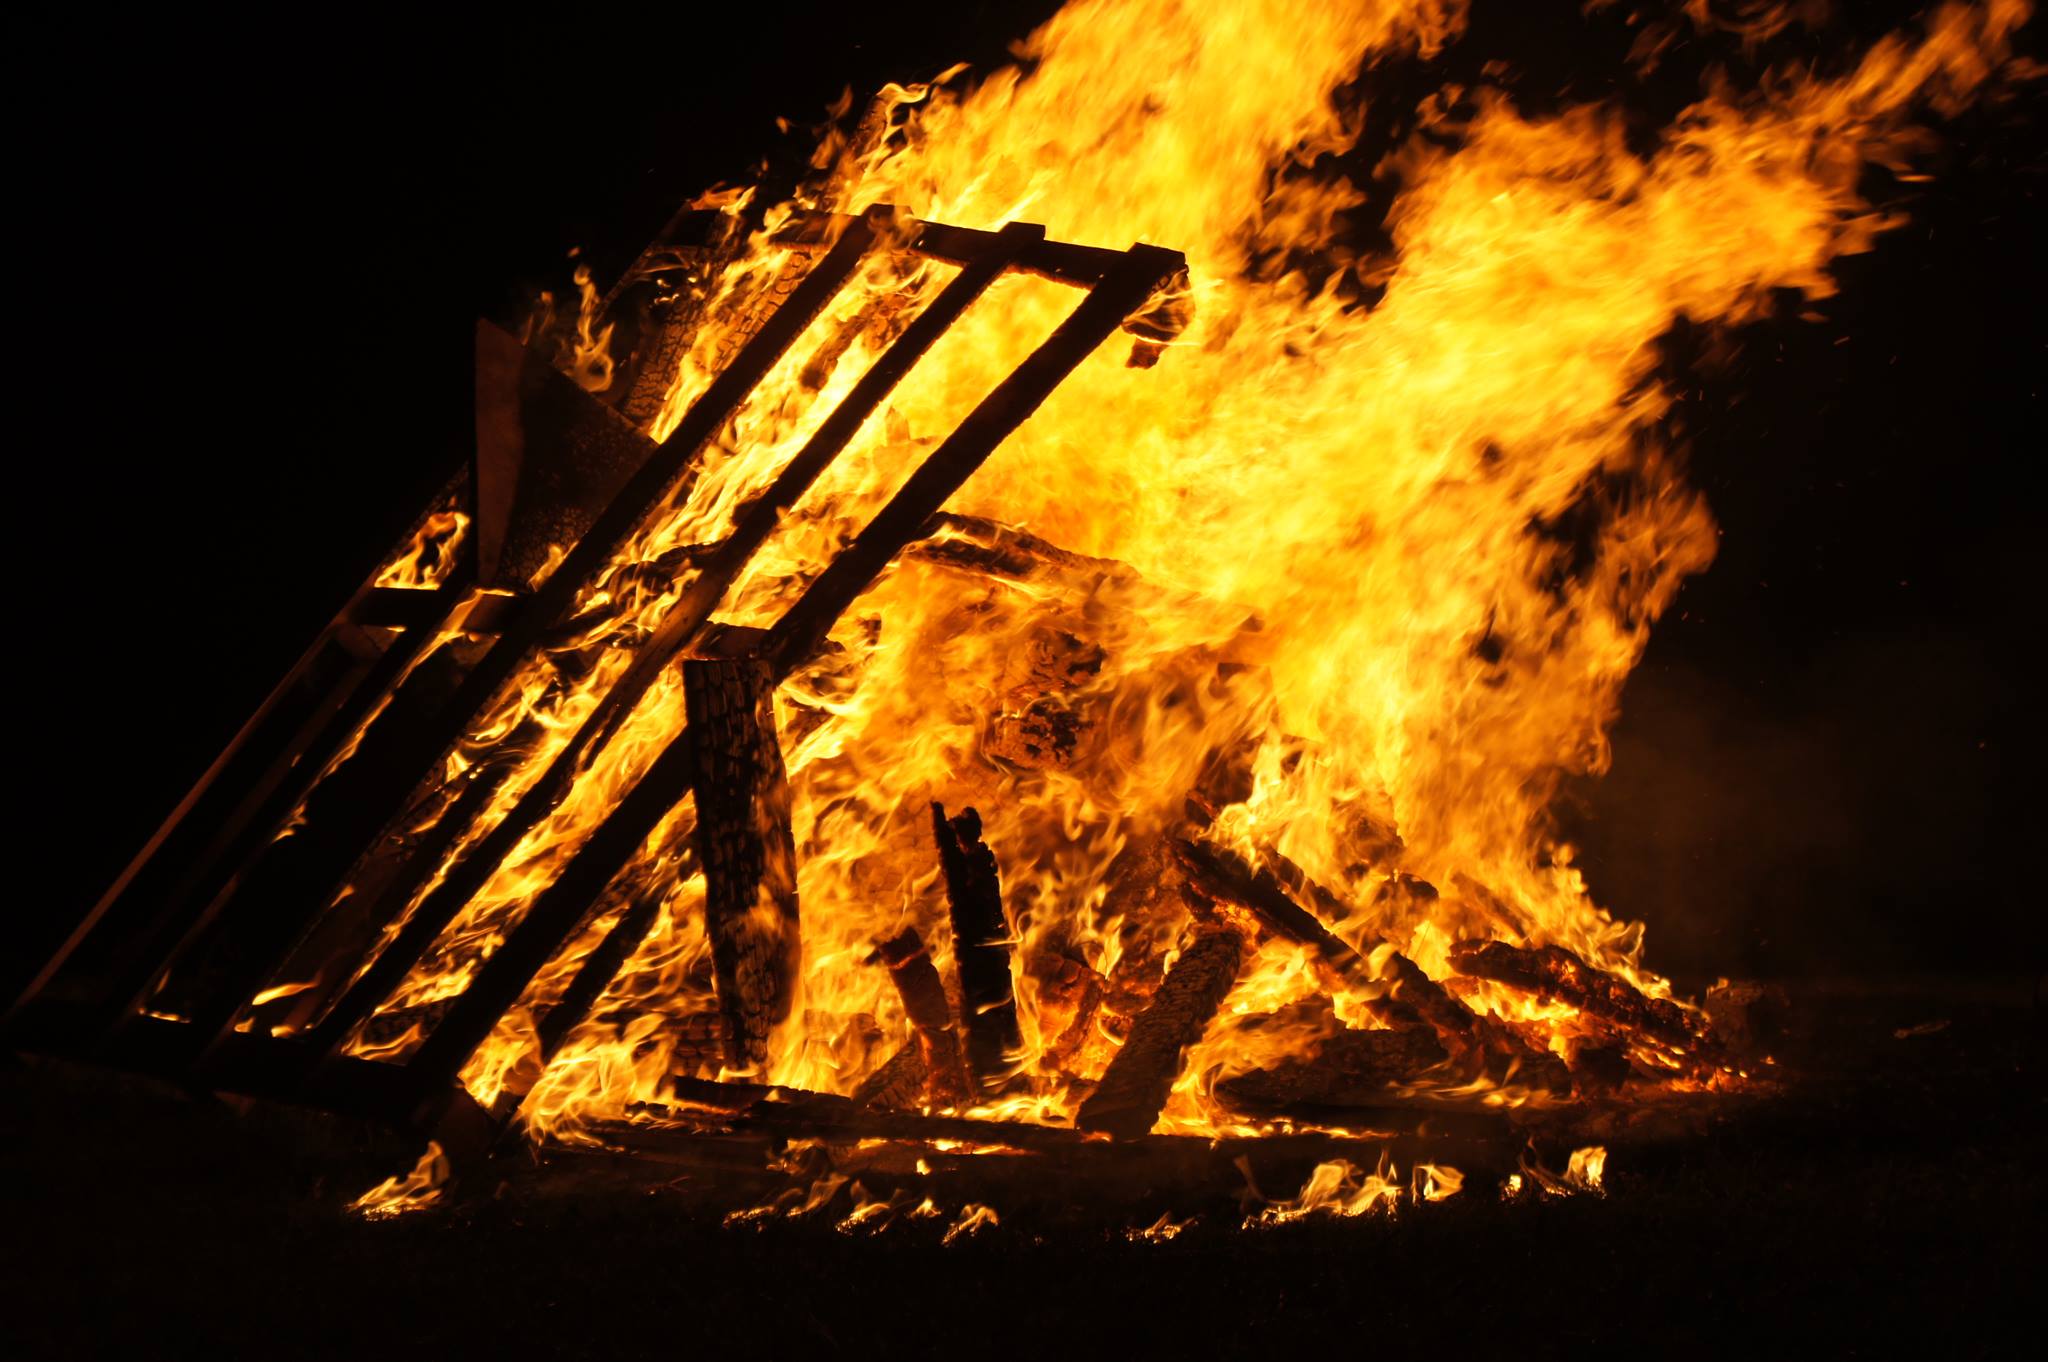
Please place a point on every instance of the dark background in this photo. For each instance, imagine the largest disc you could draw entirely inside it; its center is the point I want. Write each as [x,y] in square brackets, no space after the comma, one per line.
[254,257]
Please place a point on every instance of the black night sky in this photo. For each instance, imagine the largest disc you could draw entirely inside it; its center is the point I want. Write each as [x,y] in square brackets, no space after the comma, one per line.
[255,256]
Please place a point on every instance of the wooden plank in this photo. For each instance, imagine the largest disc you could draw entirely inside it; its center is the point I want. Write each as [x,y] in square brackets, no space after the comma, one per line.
[546,466]
[372,985]
[1134,1088]
[249,905]
[746,847]
[554,914]
[251,1065]
[931,1016]
[263,767]
[981,951]
[1060,261]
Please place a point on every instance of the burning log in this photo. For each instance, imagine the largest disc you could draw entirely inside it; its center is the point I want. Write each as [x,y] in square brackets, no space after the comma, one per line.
[1413,997]
[1554,972]
[796,1113]
[746,847]
[901,1082]
[1134,1090]
[931,1018]
[981,949]
[1040,727]
[1219,877]
[1069,996]
[1346,1070]
[725,1111]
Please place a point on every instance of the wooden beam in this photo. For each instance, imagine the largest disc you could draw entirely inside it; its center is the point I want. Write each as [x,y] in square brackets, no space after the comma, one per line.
[982,941]
[931,1016]
[1134,1088]
[746,847]
[1554,972]
[557,912]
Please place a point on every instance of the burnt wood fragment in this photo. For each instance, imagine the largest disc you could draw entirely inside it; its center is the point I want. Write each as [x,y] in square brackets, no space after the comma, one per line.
[746,847]
[931,1016]
[981,950]
[899,1084]
[1134,1089]
[1220,876]
[1477,1043]
[1554,972]
[1069,995]
[1748,1017]
[1341,1071]
[549,459]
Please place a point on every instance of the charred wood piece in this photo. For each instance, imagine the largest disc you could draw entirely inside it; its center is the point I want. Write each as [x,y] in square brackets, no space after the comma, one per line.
[931,1016]
[1069,996]
[993,549]
[746,847]
[1221,877]
[1134,1089]
[900,1084]
[1748,1017]
[981,950]
[1339,1070]
[1477,1043]
[741,1114]
[1554,972]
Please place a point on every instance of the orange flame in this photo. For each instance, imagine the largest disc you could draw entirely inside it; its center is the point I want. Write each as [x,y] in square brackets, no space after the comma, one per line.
[1367,579]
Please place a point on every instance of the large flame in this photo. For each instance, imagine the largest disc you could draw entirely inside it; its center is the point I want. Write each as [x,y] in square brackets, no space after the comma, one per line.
[1382,537]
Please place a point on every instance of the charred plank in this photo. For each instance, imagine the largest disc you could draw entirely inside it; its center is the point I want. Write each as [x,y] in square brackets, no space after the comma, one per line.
[899,1084]
[981,950]
[1554,972]
[746,847]
[931,1017]
[1134,1090]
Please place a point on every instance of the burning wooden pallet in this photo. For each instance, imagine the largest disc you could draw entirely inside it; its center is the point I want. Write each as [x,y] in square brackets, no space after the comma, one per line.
[221,897]
[185,968]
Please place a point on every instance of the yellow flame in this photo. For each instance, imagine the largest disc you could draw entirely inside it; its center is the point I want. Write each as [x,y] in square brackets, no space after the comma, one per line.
[417,1190]
[1340,1188]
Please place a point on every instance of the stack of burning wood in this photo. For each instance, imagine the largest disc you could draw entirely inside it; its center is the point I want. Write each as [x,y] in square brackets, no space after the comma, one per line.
[949,1080]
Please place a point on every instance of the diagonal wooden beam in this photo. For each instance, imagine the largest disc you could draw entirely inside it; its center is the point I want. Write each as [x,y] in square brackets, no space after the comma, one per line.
[1122,291]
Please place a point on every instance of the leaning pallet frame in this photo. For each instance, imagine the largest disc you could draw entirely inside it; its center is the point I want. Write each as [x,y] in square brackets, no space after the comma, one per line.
[157,976]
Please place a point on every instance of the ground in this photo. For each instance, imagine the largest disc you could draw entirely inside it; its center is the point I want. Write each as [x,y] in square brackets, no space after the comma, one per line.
[1889,1200]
